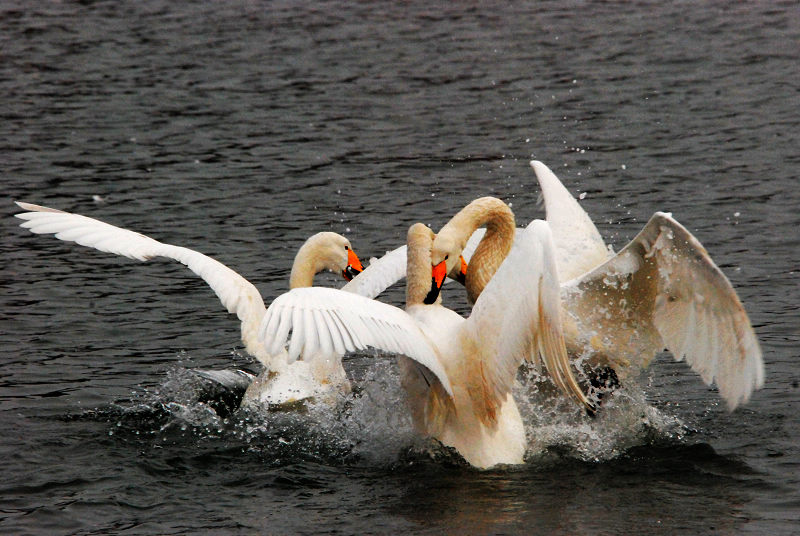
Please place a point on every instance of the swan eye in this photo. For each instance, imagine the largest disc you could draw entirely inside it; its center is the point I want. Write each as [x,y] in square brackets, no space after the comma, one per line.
[346,247]
[446,257]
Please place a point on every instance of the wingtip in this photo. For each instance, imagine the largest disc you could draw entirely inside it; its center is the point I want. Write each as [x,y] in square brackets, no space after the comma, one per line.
[30,207]
[546,177]
[539,167]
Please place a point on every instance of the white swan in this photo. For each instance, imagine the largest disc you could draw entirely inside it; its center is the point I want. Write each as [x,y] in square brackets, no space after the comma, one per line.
[280,382]
[474,359]
[662,291]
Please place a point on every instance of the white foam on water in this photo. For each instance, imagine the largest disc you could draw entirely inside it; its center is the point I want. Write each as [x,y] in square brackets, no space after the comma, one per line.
[623,420]
[372,425]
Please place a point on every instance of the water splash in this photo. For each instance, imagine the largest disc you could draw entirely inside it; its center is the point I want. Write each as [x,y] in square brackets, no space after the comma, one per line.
[624,420]
[372,425]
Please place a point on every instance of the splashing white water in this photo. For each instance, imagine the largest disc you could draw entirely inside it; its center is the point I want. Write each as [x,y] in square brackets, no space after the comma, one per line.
[624,420]
[373,424]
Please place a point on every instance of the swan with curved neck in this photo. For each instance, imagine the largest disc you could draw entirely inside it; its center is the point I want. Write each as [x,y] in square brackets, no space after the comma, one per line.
[322,251]
[660,291]
[460,371]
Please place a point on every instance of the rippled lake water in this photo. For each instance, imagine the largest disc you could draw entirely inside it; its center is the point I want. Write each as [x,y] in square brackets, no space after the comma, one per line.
[240,128]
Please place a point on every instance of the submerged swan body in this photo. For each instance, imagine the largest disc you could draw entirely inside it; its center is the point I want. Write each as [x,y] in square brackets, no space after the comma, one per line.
[281,381]
[459,384]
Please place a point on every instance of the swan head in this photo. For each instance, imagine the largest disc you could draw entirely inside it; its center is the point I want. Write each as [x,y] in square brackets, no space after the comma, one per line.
[337,255]
[325,251]
[448,250]
[353,267]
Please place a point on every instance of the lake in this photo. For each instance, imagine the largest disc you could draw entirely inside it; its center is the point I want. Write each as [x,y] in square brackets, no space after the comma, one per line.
[240,128]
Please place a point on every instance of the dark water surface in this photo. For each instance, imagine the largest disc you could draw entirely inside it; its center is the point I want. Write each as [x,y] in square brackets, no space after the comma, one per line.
[240,128]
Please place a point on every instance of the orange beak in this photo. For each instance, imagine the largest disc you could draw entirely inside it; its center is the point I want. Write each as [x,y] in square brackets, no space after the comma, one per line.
[461,277]
[353,266]
[438,274]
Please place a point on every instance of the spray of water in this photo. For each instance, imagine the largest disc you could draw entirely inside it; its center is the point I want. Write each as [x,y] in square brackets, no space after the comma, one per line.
[372,424]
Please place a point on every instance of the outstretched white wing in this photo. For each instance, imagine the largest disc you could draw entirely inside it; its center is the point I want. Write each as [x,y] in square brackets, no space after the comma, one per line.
[329,320]
[578,244]
[236,293]
[664,291]
[516,317]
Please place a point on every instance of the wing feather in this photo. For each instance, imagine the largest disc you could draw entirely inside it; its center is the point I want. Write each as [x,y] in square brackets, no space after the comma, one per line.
[578,244]
[663,291]
[369,323]
[325,335]
[299,337]
[236,293]
[517,316]
[353,334]
[337,340]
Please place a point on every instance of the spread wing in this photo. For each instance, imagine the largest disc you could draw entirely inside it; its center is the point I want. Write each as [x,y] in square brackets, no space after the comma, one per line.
[331,321]
[578,244]
[664,291]
[516,317]
[236,293]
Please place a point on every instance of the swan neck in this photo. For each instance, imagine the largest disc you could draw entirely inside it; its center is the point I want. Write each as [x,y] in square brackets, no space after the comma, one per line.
[302,274]
[418,264]
[308,262]
[495,245]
